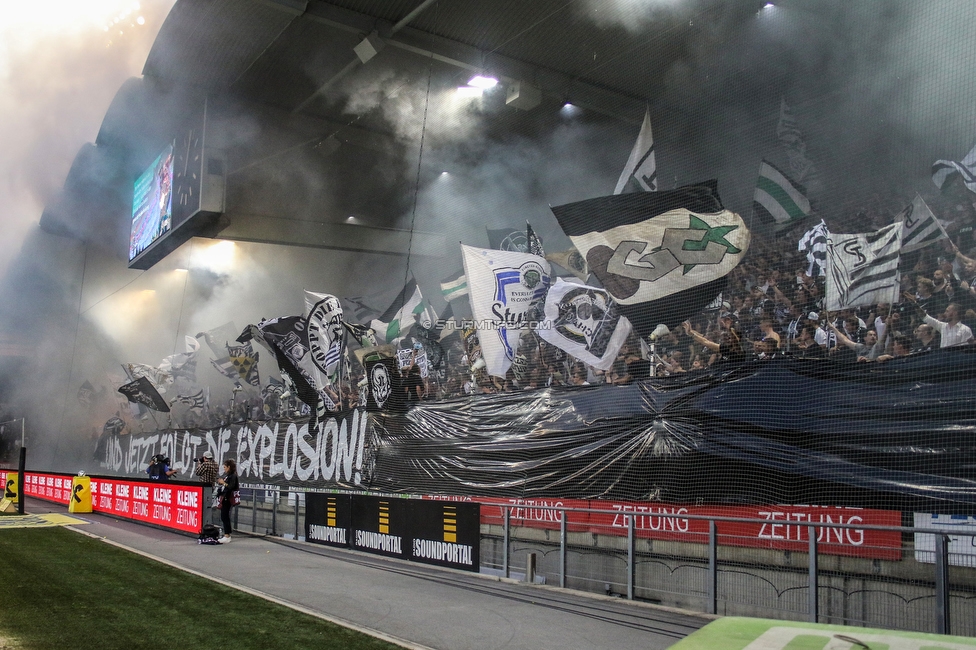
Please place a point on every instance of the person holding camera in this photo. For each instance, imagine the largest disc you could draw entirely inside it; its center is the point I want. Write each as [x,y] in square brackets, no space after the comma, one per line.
[206,470]
[159,469]
[228,485]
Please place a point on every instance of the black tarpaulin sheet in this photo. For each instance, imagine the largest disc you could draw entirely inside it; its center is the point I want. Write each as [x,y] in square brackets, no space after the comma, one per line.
[896,434]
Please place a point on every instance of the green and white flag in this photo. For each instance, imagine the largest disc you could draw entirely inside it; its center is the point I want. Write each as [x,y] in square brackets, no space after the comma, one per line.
[408,308]
[454,286]
[778,200]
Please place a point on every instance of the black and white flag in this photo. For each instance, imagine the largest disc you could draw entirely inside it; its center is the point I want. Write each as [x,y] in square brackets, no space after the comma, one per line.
[194,401]
[662,256]
[323,328]
[287,340]
[862,269]
[966,168]
[583,321]
[384,387]
[921,227]
[814,244]
[534,241]
[640,172]
[86,394]
[142,391]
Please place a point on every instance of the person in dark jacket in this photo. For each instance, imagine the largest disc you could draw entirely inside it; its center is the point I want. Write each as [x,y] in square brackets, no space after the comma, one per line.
[159,469]
[229,485]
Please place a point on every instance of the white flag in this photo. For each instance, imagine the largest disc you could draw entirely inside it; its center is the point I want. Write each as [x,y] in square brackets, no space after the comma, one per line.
[862,269]
[640,172]
[921,227]
[583,321]
[502,287]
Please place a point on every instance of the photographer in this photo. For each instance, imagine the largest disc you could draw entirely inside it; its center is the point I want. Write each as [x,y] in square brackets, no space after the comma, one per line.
[159,469]
[206,470]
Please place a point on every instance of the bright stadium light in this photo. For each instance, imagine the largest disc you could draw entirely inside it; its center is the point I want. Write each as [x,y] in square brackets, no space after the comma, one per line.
[483,82]
[469,91]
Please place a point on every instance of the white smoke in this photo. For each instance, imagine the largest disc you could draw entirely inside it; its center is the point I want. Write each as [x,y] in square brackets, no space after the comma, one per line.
[61,63]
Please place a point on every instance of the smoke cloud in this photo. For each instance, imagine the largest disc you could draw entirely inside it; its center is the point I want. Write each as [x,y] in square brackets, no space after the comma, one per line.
[880,92]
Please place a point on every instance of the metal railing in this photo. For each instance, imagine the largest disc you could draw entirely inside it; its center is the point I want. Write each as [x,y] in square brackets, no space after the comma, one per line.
[712,571]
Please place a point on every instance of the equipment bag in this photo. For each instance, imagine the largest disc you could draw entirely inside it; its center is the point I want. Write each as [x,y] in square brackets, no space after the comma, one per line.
[209,535]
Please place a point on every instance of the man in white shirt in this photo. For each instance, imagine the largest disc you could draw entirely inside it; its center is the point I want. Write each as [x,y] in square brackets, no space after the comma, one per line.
[953,331]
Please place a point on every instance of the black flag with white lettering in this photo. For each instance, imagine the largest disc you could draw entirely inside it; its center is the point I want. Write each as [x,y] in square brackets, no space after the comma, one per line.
[662,256]
[142,391]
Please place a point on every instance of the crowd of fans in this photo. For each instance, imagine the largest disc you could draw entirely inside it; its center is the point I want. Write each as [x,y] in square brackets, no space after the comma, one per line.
[772,307]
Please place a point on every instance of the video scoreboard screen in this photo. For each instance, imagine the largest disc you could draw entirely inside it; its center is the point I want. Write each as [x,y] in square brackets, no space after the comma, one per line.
[152,204]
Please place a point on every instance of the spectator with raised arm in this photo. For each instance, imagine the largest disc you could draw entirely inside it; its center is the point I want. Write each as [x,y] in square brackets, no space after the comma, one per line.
[870,350]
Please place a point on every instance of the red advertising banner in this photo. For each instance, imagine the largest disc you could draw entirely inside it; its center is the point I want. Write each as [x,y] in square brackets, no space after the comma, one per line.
[780,526]
[50,487]
[170,505]
[160,503]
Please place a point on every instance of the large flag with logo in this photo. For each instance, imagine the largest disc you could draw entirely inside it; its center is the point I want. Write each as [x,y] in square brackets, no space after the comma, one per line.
[920,227]
[778,200]
[244,360]
[966,168]
[662,256]
[142,391]
[286,338]
[323,327]
[640,172]
[384,386]
[862,269]
[503,286]
[408,307]
[583,321]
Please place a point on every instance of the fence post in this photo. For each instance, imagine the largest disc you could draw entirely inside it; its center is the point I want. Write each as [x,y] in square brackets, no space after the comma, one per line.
[814,596]
[712,567]
[942,622]
[562,548]
[505,550]
[274,511]
[630,557]
[254,510]
[296,515]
